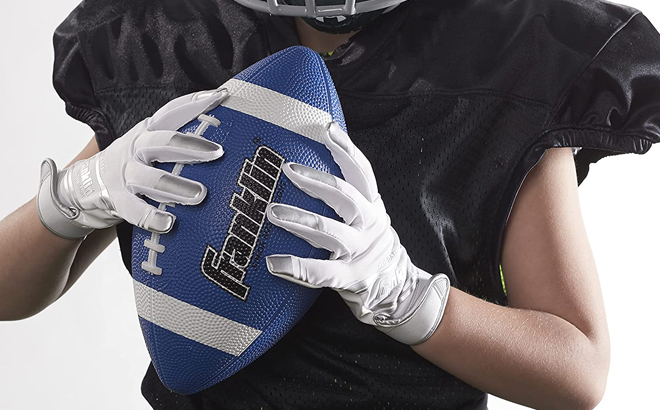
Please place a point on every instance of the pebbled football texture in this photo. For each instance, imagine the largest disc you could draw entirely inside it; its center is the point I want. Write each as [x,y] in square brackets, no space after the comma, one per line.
[206,302]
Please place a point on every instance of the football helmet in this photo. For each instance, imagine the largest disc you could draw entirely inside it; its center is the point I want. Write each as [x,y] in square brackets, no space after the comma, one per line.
[330,16]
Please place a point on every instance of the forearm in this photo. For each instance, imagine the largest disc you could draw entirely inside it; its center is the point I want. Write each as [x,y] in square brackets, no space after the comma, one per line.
[34,263]
[529,357]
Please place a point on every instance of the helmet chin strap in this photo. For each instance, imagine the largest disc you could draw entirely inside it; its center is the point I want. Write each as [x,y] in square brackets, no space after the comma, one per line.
[387,10]
[346,24]
[364,12]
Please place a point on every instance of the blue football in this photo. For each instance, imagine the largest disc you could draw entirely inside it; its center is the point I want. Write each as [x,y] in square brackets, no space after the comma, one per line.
[206,302]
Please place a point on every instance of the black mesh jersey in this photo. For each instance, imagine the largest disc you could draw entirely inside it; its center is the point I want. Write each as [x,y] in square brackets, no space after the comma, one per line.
[453,102]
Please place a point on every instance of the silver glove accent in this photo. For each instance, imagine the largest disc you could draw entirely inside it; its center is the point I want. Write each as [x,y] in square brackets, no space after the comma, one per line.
[53,214]
[426,313]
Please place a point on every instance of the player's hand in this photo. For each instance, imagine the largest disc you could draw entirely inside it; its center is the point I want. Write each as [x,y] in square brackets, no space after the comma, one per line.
[101,191]
[368,266]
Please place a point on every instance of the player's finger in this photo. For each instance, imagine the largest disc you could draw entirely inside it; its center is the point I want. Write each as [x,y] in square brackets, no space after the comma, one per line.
[319,231]
[139,213]
[184,109]
[163,186]
[355,167]
[341,196]
[308,272]
[173,146]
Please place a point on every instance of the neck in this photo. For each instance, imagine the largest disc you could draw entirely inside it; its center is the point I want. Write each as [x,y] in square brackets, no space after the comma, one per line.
[317,40]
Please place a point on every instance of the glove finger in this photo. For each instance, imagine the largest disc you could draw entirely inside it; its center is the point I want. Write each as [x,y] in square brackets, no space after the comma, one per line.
[317,230]
[163,186]
[173,146]
[139,213]
[308,272]
[341,196]
[184,109]
[354,165]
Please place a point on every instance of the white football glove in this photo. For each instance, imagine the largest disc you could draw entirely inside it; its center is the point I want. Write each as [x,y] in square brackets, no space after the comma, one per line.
[101,191]
[368,266]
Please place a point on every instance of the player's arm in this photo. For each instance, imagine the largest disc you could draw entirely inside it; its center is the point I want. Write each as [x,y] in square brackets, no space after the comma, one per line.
[37,266]
[550,348]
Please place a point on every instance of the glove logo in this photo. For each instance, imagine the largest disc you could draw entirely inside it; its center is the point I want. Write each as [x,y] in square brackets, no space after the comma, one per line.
[258,179]
[86,184]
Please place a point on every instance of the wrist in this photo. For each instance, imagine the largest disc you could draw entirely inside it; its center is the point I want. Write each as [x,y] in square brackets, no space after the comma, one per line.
[424,313]
[55,210]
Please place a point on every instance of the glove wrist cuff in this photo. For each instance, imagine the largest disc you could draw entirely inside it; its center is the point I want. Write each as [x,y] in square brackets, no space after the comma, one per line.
[424,318]
[53,214]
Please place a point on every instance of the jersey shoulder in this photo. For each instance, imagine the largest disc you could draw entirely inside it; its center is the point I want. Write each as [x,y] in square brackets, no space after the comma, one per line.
[118,61]
[527,48]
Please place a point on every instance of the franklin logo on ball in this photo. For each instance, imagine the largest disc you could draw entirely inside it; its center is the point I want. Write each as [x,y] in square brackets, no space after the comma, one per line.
[258,178]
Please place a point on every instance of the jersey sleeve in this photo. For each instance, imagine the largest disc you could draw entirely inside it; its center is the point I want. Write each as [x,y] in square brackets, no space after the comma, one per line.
[73,82]
[613,106]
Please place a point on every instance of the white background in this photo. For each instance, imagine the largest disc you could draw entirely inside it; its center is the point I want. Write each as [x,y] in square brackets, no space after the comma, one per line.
[86,351]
